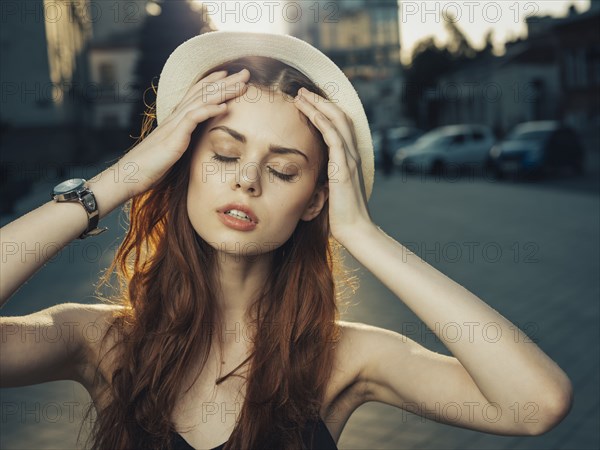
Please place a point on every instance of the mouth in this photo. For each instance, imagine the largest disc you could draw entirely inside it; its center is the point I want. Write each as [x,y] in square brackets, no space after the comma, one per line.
[238,216]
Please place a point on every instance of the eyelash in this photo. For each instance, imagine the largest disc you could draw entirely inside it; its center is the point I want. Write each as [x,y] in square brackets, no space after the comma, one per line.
[280,175]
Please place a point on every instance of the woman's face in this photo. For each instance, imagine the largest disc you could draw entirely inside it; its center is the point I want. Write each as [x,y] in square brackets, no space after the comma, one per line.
[278,185]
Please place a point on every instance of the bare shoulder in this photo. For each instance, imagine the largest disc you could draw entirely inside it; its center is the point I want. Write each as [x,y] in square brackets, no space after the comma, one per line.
[94,322]
[357,341]
[362,337]
[359,330]
[349,384]
[353,340]
[58,349]
[360,344]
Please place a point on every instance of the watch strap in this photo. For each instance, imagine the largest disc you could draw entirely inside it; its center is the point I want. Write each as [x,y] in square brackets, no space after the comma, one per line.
[83,195]
[88,200]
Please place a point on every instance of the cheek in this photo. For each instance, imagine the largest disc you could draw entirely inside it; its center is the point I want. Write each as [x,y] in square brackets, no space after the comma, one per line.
[205,176]
[193,203]
[200,197]
[291,206]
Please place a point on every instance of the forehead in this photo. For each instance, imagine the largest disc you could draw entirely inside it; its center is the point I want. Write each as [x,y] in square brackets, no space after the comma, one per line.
[267,117]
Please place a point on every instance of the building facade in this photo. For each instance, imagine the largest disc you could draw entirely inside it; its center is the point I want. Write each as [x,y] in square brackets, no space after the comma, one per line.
[553,74]
[112,62]
[363,39]
[44,68]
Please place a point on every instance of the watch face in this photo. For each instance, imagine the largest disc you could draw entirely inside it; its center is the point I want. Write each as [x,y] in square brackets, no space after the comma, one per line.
[69,185]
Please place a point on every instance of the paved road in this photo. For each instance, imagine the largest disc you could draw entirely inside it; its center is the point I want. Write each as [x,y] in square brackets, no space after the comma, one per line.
[530,250]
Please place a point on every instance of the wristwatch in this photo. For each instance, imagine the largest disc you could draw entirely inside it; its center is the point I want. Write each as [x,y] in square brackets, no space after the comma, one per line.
[76,190]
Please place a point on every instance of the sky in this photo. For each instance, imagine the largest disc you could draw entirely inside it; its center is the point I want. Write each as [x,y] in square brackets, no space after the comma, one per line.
[420,19]
[417,19]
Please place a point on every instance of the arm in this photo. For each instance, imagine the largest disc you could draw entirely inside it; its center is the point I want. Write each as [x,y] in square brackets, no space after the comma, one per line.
[516,376]
[41,347]
[395,370]
[54,225]
[53,344]
[48,345]
[27,360]
[51,227]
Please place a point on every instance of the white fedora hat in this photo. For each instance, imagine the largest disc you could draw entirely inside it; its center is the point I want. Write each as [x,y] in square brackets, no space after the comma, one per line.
[201,53]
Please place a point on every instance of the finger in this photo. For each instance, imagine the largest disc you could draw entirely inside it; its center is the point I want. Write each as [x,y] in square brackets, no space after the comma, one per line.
[221,97]
[338,147]
[331,136]
[333,113]
[223,90]
[241,76]
[214,82]
[330,110]
[210,78]
[193,117]
[220,92]
[330,133]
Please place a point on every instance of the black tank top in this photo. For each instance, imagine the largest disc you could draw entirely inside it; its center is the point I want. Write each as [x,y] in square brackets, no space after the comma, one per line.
[322,438]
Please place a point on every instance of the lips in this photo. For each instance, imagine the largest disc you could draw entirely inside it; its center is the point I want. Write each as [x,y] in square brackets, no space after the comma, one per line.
[234,221]
[241,207]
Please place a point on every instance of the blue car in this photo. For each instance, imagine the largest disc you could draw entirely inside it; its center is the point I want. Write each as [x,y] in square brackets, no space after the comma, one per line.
[536,148]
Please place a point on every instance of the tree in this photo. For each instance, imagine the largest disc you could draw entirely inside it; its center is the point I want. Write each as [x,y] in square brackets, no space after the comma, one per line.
[429,63]
[488,48]
[458,44]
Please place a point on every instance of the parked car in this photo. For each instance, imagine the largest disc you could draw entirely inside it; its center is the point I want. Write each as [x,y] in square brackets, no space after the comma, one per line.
[399,137]
[452,145]
[534,148]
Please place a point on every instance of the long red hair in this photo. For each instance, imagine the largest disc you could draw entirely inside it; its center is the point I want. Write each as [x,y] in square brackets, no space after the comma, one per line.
[167,279]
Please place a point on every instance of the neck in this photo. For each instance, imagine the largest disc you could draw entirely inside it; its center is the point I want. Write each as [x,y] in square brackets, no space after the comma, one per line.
[241,278]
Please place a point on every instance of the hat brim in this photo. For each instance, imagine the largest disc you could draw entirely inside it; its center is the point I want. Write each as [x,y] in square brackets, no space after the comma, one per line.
[203,52]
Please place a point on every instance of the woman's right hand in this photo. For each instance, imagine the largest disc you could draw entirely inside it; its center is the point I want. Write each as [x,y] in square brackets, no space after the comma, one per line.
[156,153]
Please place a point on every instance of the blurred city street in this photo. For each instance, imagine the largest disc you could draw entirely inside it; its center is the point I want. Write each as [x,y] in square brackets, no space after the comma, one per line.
[498,87]
[530,250]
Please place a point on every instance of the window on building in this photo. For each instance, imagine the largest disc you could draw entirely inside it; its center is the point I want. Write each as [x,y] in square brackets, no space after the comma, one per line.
[570,73]
[107,74]
[382,28]
[595,64]
[110,120]
[582,67]
[326,36]
[386,91]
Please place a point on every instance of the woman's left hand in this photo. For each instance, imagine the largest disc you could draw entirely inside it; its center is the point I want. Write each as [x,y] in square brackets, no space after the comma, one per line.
[347,198]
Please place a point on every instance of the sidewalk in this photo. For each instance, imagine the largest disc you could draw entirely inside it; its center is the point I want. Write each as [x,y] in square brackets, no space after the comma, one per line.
[551,291]
[554,290]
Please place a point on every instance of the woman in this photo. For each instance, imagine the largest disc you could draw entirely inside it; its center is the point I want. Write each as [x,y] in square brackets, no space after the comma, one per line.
[225,332]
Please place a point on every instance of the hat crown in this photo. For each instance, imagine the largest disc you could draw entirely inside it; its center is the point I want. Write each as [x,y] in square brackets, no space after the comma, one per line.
[201,53]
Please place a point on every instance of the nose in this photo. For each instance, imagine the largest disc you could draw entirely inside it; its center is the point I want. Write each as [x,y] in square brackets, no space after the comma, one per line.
[248,178]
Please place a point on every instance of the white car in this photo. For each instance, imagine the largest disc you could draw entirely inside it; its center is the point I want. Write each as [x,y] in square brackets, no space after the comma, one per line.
[455,146]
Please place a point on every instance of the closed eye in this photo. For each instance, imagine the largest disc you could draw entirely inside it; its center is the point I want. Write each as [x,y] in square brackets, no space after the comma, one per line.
[283,176]
[225,159]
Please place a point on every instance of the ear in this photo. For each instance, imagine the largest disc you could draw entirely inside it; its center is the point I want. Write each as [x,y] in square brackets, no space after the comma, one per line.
[316,203]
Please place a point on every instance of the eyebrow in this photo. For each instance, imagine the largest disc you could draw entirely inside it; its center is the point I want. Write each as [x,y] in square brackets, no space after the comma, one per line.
[272,148]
